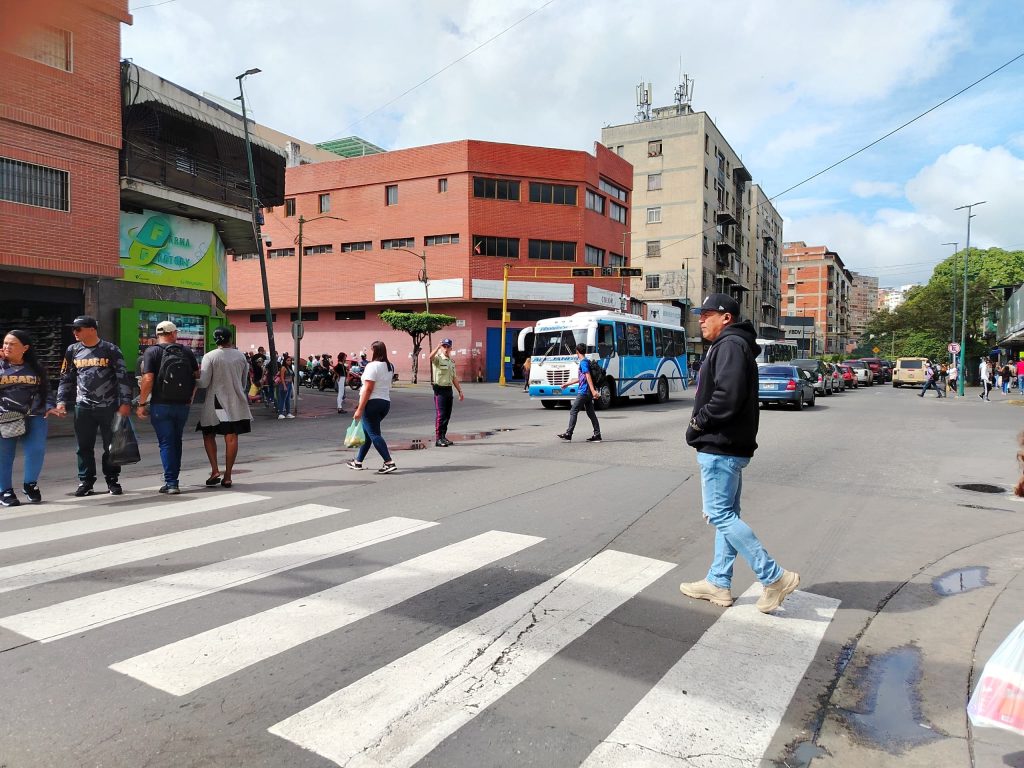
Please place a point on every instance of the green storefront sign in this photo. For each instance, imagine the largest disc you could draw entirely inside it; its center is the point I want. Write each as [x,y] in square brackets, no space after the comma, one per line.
[163,249]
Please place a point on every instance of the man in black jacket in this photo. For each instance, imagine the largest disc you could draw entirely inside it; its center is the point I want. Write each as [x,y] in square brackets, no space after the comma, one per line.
[723,429]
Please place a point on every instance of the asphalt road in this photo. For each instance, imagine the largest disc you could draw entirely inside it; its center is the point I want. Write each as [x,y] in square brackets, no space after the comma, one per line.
[512,600]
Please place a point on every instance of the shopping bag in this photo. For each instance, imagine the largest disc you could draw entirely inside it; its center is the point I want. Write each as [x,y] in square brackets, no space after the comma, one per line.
[998,700]
[124,446]
[354,435]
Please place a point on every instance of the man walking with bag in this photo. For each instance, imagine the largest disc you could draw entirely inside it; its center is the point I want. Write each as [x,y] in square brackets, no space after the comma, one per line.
[584,398]
[723,429]
[169,373]
[93,379]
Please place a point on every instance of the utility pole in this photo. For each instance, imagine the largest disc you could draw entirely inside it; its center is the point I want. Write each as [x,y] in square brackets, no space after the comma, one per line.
[952,290]
[504,315]
[422,277]
[622,283]
[963,311]
[254,209]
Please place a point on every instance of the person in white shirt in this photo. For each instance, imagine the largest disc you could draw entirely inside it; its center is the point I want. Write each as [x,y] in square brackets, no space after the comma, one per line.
[985,374]
[374,404]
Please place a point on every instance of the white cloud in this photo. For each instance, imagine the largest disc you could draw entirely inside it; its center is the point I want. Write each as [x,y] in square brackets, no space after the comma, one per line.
[876,189]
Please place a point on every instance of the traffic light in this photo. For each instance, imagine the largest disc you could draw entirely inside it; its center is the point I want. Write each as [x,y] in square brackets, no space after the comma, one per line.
[630,272]
[583,272]
[606,272]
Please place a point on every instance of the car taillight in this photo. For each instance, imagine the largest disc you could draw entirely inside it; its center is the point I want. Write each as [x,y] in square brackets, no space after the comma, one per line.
[791,386]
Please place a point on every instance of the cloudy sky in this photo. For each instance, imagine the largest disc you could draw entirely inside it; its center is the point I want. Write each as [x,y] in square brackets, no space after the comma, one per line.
[794,85]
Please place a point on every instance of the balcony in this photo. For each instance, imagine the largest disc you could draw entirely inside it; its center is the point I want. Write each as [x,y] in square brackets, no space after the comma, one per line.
[724,246]
[724,218]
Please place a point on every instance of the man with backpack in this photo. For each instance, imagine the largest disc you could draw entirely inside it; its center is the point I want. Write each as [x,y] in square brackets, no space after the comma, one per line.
[169,373]
[585,389]
[931,379]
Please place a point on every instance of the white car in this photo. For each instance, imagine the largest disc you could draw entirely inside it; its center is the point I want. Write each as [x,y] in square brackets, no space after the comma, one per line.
[861,371]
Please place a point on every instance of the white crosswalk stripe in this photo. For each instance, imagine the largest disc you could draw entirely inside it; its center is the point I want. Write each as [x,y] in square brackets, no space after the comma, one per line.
[720,705]
[22,575]
[57,621]
[164,511]
[188,664]
[408,707]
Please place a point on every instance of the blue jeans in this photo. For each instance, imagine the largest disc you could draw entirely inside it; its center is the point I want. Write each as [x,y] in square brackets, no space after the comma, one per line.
[721,481]
[169,424]
[1020,384]
[373,415]
[284,398]
[33,442]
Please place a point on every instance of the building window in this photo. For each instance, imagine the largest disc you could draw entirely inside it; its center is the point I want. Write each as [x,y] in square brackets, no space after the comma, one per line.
[398,242]
[653,182]
[595,202]
[47,45]
[312,250]
[260,317]
[705,210]
[495,189]
[654,215]
[350,314]
[289,206]
[307,317]
[617,192]
[280,253]
[244,256]
[619,150]
[593,256]
[442,185]
[325,203]
[617,212]
[391,194]
[556,194]
[34,185]
[552,250]
[617,260]
[441,239]
[706,144]
[654,148]
[653,282]
[705,177]
[653,248]
[506,247]
[363,245]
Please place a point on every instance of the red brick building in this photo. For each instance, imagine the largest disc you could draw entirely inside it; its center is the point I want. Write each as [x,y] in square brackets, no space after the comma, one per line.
[467,208]
[816,284]
[60,133]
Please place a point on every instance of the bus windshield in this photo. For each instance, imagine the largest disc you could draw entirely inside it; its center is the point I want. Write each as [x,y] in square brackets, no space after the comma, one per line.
[558,342]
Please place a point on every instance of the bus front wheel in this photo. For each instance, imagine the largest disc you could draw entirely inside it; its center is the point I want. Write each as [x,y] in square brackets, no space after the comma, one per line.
[549,404]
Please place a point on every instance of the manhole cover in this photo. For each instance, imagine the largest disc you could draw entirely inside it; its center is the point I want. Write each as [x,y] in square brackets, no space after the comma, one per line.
[981,487]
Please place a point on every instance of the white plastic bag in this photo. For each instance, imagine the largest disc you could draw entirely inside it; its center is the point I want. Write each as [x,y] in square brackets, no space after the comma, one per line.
[998,700]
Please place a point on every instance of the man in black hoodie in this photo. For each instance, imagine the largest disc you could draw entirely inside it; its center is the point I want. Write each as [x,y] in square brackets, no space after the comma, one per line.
[723,429]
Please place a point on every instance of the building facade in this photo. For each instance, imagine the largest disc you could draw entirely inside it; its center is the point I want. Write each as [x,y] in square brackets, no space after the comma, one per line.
[461,212]
[817,284]
[696,227]
[863,303]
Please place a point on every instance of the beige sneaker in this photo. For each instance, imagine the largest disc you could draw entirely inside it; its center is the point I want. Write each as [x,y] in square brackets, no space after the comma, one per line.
[705,590]
[775,593]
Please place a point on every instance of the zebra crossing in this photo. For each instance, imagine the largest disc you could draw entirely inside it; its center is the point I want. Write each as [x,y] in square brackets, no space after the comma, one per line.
[740,675]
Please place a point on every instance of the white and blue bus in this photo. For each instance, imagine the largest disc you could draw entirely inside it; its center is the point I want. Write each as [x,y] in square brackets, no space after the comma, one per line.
[776,351]
[640,357]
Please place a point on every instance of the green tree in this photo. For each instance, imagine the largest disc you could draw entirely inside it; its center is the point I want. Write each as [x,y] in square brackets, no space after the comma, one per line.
[417,325]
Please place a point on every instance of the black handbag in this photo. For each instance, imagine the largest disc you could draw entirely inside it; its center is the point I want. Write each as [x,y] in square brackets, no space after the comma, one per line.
[124,445]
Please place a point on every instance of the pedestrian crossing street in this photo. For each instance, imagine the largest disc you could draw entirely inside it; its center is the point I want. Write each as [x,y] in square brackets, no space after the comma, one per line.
[740,675]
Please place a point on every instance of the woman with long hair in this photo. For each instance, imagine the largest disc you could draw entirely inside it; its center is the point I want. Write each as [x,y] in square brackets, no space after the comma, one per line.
[374,404]
[283,379]
[24,392]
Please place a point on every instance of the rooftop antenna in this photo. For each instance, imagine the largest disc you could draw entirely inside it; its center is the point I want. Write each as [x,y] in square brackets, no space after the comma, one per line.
[684,93]
[643,102]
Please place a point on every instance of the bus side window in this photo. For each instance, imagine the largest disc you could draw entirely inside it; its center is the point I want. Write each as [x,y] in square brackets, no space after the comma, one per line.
[605,339]
[648,341]
[659,342]
[620,336]
[680,343]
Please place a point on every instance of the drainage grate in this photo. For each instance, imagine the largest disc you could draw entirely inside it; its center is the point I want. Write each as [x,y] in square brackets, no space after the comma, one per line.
[980,487]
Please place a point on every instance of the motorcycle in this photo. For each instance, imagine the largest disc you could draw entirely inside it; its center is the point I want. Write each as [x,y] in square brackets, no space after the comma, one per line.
[354,377]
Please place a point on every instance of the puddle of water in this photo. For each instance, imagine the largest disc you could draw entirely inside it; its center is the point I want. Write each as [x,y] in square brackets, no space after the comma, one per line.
[804,753]
[470,435]
[980,487]
[416,444]
[893,716]
[961,580]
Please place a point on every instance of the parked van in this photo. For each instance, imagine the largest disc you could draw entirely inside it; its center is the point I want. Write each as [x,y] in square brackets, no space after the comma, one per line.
[909,370]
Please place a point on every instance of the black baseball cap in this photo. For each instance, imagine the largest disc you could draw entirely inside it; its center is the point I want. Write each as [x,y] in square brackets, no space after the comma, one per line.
[84,321]
[719,302]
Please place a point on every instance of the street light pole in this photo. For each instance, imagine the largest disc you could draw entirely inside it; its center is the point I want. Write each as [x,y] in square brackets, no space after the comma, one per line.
[963,311]
[952,290]
[622,279]
[254,203]
[422,277]
[504,314]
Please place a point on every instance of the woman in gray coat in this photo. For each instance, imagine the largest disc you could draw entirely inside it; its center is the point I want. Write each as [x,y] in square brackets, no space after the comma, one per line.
[226,410]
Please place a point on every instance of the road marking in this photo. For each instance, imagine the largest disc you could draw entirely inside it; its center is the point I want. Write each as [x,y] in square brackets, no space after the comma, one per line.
[82,614]
[720,705]
[399,713]
[22,575]
[55,531]
[193,662]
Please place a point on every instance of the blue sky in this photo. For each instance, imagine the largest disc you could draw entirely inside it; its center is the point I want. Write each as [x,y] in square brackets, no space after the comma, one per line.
[794,85]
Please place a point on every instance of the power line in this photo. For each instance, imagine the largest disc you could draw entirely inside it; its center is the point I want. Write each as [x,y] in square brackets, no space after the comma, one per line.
[151,5]
[448,66]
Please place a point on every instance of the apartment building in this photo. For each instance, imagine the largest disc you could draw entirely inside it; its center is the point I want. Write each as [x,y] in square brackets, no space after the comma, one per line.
[863,303]
[466,214]
[817,284]
[694,230]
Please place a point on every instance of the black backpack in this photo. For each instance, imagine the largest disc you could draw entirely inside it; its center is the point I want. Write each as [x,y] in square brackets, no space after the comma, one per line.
[175,380]
[597,374]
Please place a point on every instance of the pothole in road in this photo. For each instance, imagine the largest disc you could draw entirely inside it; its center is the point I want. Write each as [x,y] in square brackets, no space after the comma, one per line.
[961,580]
[980,487]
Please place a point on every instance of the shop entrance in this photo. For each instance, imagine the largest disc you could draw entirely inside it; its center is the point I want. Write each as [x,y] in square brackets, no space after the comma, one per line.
[47,318]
